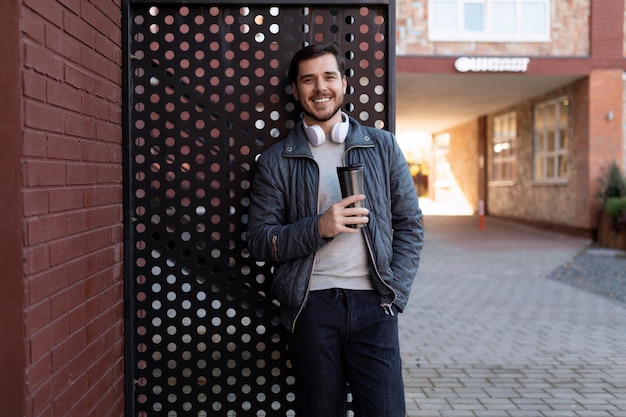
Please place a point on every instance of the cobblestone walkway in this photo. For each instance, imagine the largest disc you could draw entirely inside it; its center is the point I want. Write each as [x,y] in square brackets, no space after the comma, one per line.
[487,333]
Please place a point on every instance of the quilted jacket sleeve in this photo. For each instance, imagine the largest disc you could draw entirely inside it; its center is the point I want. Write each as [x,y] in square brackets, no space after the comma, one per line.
[279,229]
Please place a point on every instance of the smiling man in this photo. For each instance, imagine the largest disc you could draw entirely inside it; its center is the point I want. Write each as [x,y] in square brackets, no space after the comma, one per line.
[320,88]
[340,287]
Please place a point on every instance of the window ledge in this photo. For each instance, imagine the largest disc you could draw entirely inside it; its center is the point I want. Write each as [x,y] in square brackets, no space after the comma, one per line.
[502,183]
[562,181]
[492,38]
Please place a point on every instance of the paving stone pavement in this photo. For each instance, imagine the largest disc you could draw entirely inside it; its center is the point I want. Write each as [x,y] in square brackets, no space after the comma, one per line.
[487,334]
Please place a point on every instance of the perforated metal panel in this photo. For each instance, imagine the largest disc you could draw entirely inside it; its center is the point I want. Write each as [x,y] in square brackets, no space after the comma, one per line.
[206,91]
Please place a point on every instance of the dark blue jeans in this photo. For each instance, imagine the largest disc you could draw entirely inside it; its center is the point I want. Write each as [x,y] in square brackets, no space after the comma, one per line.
[344,337]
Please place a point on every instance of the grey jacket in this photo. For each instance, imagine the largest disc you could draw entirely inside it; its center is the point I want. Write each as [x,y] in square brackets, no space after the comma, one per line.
[283,216]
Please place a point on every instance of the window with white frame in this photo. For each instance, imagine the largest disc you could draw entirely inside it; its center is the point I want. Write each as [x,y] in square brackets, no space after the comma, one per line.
[489,20]
[551,140]
[503,147]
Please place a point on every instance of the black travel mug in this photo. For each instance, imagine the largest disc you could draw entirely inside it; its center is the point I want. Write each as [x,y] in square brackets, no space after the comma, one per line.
[351,183]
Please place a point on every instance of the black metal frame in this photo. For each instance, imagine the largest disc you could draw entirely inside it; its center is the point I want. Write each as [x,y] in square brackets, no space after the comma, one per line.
[188,163]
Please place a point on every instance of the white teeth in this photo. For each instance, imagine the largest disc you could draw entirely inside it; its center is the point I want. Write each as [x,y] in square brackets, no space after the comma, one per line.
[321,100]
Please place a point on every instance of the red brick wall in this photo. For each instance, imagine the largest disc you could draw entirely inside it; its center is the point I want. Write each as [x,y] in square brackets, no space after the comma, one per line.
[595,141]
[607,32]
[12,344]
[565,204]
[463,158]
[72,207]
[605,136]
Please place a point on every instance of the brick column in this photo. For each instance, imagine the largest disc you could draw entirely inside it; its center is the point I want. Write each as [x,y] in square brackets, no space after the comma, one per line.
[605,126]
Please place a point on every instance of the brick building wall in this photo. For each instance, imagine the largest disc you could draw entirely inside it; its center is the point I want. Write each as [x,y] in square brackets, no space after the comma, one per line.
[624,31]
[569,33]
[567,204]
[525,199]
[571,204]
[605,132]
[463,159]
[69,320]
[12,347]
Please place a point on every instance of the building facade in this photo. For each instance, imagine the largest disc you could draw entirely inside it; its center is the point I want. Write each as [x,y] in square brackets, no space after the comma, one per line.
[538,155]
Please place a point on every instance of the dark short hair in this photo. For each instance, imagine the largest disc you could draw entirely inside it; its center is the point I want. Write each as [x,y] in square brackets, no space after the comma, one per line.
[314,51]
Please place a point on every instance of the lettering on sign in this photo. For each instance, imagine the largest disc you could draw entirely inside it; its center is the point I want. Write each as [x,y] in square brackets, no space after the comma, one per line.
[482,64]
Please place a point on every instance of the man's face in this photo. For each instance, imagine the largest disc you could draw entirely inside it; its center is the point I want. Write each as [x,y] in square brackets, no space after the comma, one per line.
[320,88]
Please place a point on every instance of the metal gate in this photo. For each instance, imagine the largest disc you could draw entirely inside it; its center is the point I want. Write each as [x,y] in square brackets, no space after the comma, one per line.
[205,92]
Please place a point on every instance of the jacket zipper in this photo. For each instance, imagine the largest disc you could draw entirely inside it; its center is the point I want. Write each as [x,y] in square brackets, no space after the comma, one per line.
[386,306]
[345,152]
[275,247]
[306,297]
[308,284]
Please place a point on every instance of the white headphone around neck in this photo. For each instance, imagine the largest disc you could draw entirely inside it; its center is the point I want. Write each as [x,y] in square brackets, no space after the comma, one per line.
[338,133]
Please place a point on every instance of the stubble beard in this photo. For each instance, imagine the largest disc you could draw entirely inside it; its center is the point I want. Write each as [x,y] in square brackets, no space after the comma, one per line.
[325,118]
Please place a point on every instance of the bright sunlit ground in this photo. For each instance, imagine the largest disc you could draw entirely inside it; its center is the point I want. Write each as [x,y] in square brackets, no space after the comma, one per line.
[452,208]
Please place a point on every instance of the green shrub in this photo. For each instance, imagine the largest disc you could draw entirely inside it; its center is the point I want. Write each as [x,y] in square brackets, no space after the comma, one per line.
[615,208]
[612,183]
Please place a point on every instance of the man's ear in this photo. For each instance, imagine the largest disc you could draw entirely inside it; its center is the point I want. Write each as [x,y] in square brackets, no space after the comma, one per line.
[294,90]
[345,84]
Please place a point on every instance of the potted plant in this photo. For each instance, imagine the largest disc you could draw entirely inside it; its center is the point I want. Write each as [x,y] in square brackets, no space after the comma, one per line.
[612,196]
